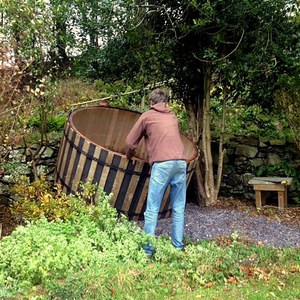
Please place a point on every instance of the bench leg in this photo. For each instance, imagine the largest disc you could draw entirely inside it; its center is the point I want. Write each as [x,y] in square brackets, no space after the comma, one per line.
[282,199]
[258,199]
[285,198]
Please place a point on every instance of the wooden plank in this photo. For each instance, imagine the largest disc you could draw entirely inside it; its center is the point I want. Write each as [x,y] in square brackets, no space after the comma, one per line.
[118,180]
[132,187]
[80,167]
[270,180]
[269,187]
[70,166]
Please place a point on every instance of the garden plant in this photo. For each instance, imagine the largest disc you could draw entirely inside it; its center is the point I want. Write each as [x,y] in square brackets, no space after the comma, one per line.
[91,252]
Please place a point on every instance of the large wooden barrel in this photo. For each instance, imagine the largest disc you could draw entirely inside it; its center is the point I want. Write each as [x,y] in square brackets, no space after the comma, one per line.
[93,148]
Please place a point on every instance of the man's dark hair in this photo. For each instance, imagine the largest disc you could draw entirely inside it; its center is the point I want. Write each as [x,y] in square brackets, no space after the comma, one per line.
[158,96]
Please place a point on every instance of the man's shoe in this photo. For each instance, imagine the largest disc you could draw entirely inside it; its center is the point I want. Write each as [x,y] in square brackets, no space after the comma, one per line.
[180,249]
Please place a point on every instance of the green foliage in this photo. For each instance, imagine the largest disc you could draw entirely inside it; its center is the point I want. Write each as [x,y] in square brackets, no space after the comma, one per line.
[92,253]
[288,100]
[38,199]
[179,40]
[28,27]
[56,123]
[250,121]
[120,93]
[53,122]
[110,63]
[77,259]
[285,168]
[89,236]
[179,110]
[14,168]
[48,33]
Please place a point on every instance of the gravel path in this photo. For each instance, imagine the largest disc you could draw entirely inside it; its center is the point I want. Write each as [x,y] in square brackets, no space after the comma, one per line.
[203,223]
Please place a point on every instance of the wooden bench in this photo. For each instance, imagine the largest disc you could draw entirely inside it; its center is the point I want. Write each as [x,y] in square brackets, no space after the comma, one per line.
[277,184]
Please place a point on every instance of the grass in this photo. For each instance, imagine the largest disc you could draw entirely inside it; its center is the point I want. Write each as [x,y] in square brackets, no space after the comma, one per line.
[204,271]
[162,281]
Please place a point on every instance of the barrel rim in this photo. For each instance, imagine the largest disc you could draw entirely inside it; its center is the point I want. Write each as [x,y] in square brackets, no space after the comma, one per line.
[73,112]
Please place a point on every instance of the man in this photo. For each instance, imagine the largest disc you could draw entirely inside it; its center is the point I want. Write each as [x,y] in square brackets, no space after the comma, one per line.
[165,150]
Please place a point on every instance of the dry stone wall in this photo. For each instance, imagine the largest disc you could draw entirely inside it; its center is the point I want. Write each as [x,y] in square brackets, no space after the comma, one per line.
[244,158]
[18,162]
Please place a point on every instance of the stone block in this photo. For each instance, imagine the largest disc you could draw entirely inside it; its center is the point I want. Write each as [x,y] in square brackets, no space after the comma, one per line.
[277,142]
[247,151]
[256,162]
[273,159]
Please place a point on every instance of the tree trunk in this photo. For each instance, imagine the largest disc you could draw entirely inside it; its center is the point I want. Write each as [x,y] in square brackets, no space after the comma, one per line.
[208,185]
[59,56]
[221,150]
[209,182]
[61,29]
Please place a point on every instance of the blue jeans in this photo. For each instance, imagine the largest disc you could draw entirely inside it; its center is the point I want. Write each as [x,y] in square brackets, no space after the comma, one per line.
[171,172]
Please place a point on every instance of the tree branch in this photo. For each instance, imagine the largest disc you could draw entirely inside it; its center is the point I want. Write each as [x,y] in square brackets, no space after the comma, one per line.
[224,57]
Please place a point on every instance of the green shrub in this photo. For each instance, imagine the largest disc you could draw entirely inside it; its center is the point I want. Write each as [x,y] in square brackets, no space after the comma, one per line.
[14,168]
[252,120]
[37,199]
[56,123]
[44,250]
[53,122]
[96,256]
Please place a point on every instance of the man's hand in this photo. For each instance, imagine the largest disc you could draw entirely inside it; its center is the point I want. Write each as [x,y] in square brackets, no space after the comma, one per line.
[129,152]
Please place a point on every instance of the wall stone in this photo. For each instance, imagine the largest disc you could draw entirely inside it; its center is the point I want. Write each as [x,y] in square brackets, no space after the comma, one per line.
[246,151]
